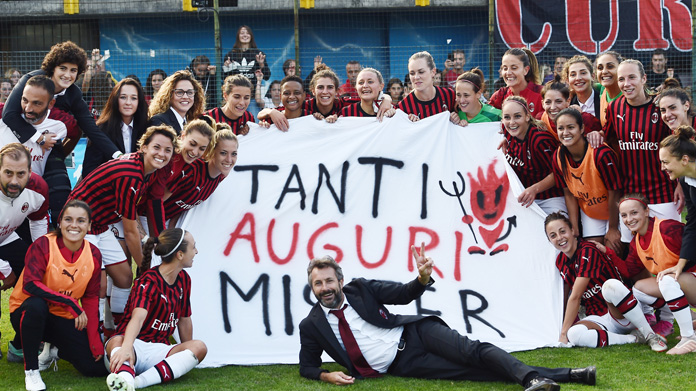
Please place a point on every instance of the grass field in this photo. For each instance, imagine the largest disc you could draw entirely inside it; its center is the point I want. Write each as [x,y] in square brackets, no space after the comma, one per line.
[628,367]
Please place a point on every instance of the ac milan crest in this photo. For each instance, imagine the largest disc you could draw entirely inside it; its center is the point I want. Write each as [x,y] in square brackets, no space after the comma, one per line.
[25,207]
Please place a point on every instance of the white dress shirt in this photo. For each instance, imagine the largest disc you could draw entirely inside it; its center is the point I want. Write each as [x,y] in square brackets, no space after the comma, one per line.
[127,133]
[180,119]
[378,345]
[588,105]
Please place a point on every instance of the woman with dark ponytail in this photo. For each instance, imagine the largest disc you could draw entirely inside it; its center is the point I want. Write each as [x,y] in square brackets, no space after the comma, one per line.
[468,89]
[590,181]
[556,96]
[140,355]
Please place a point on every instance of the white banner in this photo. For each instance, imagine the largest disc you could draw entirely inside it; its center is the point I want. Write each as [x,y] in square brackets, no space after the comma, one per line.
[363,192]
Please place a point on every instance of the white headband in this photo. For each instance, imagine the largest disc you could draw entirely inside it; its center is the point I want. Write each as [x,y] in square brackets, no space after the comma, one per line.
[177,245]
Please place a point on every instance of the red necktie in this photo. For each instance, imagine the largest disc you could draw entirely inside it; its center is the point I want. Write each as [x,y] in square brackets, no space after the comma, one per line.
[352,348]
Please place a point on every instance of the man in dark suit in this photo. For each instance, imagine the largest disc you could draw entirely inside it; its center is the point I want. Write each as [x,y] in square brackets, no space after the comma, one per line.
[354,327]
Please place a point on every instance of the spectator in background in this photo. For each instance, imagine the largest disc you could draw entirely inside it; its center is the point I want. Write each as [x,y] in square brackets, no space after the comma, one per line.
[245,58]
[180,100]
[659,71]
[395,89]
[558,65]
[408,86]
[5,89]
[134,77]
[456,59]
[98,93]
[308,79]
[437,79]
[153,83]
[205,74]
[123,120]
[13,75]
[348,89]
[272,98]
[289,67]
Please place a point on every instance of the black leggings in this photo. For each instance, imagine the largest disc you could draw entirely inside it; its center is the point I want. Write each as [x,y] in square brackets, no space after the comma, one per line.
[33,323]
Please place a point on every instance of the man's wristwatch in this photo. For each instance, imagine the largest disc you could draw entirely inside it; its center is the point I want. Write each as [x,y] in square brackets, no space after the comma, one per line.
[43,140]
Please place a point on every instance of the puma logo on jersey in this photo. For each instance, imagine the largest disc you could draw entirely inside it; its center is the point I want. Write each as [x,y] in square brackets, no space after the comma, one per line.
[135,191]
[651,259]
[587,259]
[164,297]
[183,174]
[621,117]
[72,276]
[578,177]
[198,188]
[143,286]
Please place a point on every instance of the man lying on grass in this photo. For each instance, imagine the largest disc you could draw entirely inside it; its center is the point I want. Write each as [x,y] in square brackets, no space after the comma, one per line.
[354,327]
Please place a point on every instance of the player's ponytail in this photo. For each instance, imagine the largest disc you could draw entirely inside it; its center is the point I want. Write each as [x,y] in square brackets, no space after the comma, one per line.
[166,245]
[681,143]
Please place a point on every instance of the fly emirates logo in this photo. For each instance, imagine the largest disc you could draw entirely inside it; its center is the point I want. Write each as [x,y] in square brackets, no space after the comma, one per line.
[637,143]
[165,326]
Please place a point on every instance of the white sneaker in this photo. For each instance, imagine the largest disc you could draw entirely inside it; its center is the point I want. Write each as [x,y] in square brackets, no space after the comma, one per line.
[656,342]
[116,382]
[33,381]
[48,356]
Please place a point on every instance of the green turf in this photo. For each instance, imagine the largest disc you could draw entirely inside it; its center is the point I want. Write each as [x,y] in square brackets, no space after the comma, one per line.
[628,367]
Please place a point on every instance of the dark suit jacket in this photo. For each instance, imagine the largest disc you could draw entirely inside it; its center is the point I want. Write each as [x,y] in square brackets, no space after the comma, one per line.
[166,118]
[95,157]
[368,299]
[596,87]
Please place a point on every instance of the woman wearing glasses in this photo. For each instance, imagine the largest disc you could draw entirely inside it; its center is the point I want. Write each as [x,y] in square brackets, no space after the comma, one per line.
[180,100]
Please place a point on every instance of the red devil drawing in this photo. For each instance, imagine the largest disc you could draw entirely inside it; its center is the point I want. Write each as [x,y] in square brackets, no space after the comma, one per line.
[488,198]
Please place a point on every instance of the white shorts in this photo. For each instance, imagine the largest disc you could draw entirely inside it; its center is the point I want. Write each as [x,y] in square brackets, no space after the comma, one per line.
[611,324]
[118,231]
[593,227]
[667,210]
[147,354]
[111,250]
[553,204]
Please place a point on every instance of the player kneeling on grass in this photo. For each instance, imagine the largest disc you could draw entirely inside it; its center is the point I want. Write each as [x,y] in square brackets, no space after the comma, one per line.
[61,269]
[158,304]
[612,310]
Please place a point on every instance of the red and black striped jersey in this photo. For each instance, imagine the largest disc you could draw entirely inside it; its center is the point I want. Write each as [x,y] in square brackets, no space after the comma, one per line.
[591,263]
[190,193]
[532,158]
[639,130]
[444,100]
[114,190]
[355,110]
[236,124]
[165,305]
[310,106]
[606,163]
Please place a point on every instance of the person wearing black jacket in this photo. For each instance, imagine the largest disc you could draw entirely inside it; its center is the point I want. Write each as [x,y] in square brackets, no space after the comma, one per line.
[123,120]
[402,345]
[245,58]
[63,64]
[205,74]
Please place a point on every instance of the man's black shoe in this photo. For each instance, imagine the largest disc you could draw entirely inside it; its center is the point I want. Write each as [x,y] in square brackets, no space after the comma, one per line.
[542,384]
[584,375]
